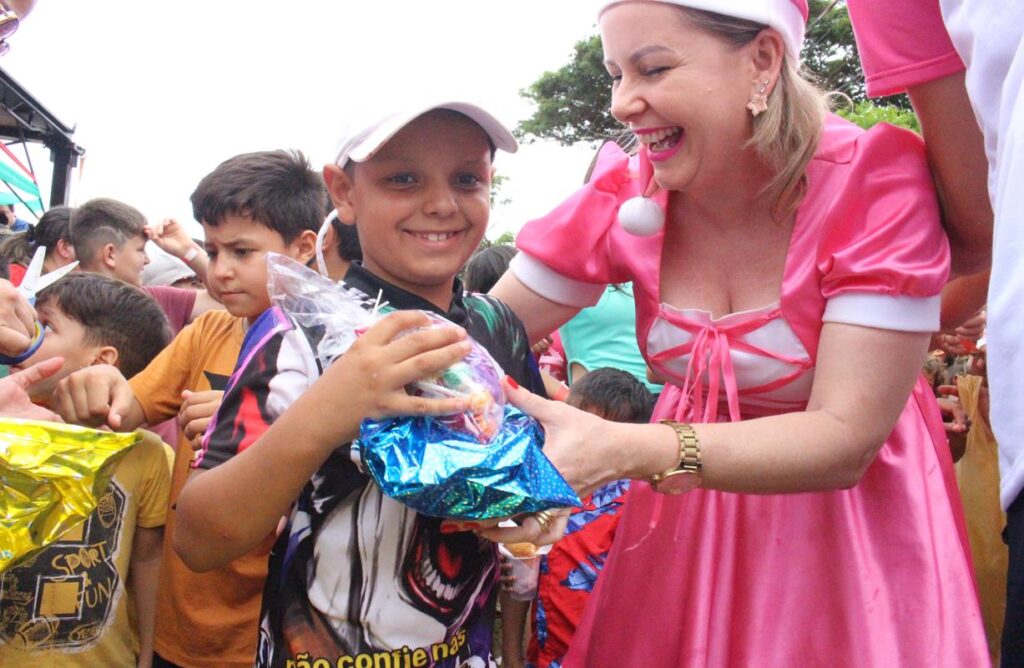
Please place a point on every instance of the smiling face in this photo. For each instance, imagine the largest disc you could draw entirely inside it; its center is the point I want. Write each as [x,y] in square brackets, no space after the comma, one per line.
[421,203]
[681,90]
[237,273]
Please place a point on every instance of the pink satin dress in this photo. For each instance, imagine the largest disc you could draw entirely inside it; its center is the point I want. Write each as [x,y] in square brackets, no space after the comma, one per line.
[876,575]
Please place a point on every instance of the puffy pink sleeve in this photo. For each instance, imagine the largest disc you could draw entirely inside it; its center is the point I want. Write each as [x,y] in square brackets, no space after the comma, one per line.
[569,255]
[883,256]
[901,44]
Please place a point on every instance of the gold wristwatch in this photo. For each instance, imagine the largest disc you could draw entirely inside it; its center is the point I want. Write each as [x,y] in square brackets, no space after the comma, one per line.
[687,475]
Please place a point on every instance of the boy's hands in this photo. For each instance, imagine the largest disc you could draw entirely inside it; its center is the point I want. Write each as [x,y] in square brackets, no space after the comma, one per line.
[197,409]
[369,380]
[95,396]
[171,237]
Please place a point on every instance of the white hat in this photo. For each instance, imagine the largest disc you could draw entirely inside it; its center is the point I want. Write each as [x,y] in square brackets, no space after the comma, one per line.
[789,17]
[373,128]
[163,268]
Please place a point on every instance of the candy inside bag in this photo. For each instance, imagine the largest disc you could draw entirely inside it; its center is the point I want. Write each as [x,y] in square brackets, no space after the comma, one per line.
[476,377]
[339,314]
[51,476]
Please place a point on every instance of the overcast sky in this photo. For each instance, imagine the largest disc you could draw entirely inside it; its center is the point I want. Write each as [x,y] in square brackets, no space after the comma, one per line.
[161,93]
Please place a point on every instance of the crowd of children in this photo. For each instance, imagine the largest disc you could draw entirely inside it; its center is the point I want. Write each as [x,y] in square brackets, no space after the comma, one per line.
[242,529]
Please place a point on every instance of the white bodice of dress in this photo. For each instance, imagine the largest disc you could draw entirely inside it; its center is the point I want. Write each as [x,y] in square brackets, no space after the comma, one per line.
[755,356]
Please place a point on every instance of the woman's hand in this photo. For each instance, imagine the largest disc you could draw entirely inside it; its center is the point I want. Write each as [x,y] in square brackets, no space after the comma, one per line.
[527,529]
[581,445]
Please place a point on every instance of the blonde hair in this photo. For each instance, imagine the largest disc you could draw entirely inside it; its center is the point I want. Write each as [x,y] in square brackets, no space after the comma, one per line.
[786,135]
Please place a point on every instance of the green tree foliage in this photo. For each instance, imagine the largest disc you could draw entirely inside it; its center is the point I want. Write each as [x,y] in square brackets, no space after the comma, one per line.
[496,184]
[572,102]
[504,239]
[866,114]
[830,52]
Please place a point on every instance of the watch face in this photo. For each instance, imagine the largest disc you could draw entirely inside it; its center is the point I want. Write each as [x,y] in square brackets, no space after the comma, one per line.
[678,482]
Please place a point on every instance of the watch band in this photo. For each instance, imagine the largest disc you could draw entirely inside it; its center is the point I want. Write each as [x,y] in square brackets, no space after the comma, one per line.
[689,451]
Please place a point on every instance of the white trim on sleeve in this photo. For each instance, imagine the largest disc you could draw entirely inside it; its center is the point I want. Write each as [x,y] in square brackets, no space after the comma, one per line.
[549,284]
[895,312]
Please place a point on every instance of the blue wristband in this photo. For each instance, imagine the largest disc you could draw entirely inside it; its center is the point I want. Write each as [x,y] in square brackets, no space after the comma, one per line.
[32,348]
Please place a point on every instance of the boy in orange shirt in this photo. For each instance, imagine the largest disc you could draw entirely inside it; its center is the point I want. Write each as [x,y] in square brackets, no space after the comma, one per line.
[249,205]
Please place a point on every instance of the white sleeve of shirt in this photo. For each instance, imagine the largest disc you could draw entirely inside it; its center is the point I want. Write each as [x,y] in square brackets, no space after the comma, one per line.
[893,312]
[551,285]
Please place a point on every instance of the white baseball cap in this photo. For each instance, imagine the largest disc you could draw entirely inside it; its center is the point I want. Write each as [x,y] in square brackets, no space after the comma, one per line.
[370,130]
[163,268]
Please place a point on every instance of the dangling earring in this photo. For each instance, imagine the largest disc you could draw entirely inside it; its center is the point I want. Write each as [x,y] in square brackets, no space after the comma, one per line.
[759,101]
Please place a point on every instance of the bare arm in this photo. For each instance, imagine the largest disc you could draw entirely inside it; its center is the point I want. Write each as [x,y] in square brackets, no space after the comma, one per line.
[852,410]
[514,615]
[956,151]
[541,316]
[962,298]
[143,579]
[261,482]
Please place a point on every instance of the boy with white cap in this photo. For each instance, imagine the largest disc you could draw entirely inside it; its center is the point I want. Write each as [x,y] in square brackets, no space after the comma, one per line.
[357,579]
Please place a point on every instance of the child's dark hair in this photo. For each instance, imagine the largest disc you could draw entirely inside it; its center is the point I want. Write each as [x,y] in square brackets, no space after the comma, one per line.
[486,266]
[276,189]
[613,394]
[104,221]
[114,314]
[349,249]
[53,226]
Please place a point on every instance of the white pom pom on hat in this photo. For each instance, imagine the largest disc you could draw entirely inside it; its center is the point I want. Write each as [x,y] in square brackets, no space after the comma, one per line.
[789,17]
[641,216]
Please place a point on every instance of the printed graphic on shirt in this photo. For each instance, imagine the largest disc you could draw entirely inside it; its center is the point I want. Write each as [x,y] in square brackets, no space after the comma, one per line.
[216,380]
[65,596]
[569,573]
[356,578]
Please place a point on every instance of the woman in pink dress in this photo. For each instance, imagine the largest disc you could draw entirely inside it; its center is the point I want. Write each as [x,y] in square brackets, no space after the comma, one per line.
[804,512]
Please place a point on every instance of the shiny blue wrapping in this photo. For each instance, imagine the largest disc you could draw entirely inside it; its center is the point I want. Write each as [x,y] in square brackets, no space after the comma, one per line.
[442,472]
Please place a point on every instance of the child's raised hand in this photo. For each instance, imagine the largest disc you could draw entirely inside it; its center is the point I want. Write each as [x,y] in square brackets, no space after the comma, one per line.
[369,380]
[171,237]
[95,396]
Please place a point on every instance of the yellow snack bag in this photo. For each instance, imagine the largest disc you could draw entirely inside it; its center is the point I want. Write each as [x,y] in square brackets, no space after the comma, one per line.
[51,475]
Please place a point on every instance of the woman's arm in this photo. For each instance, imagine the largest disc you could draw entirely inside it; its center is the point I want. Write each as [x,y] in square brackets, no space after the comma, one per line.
[540,315]
[862,380]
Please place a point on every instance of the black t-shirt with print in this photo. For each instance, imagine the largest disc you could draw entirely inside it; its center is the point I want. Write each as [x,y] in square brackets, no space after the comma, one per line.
[355,572]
